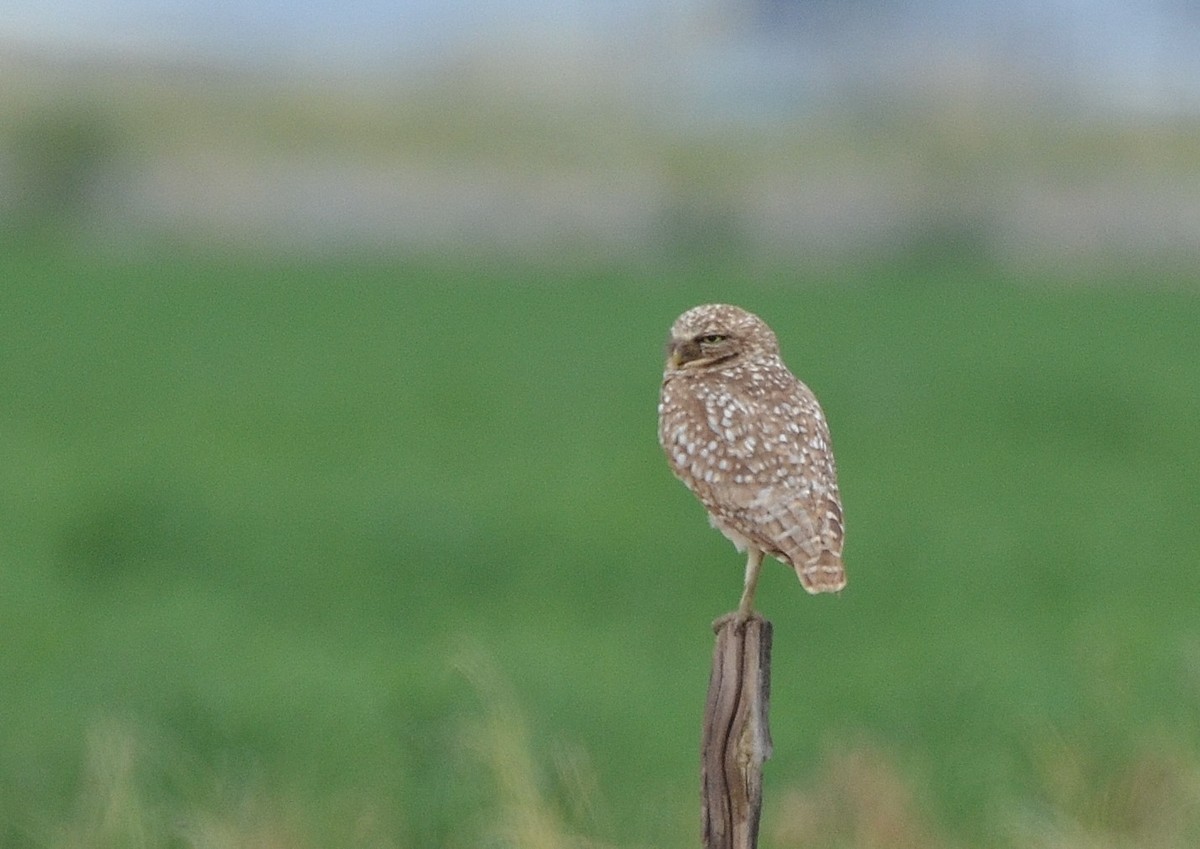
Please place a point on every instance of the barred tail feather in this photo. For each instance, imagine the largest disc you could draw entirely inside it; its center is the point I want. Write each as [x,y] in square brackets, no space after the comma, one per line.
[825,574]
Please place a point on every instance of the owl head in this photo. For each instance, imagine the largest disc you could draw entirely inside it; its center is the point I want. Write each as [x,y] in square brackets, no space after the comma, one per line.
[718,335]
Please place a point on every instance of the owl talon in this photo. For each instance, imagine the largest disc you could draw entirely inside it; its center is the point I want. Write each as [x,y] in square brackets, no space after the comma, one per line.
[737,618]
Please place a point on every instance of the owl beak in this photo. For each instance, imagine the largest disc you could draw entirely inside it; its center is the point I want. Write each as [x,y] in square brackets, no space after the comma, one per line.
[674,354]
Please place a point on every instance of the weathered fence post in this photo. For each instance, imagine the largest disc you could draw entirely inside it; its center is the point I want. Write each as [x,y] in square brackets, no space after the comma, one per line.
[736,737]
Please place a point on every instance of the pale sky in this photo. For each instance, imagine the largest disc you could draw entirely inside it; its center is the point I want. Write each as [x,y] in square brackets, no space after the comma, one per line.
[1139,51]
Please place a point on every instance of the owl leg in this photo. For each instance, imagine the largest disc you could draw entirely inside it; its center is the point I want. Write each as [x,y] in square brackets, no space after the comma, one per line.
[754,558]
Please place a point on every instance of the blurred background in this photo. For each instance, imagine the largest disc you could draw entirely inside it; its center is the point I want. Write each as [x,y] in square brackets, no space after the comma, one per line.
[330,337]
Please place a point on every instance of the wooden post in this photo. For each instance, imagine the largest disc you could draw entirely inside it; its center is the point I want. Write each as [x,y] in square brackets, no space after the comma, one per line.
[736,737]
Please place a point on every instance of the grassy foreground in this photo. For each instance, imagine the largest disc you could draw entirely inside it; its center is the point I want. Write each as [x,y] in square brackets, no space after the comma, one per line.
[366,553]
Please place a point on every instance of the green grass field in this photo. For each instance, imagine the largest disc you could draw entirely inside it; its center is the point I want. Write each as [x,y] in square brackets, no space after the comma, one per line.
[370,553]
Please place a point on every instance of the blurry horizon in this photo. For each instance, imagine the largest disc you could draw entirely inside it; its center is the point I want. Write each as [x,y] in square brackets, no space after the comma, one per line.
[1036,135]
[1143,55]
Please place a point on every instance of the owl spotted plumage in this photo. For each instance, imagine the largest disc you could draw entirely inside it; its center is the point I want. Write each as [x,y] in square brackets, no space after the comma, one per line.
[750,440]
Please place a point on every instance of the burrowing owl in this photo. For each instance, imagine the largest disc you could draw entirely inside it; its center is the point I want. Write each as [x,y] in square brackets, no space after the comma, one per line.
[751,442]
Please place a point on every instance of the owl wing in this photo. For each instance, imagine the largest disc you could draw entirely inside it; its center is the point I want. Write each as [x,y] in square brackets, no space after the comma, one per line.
[782,493]
[757,456]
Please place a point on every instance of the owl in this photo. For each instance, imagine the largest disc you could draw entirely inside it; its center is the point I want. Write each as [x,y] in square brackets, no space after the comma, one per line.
[750,440]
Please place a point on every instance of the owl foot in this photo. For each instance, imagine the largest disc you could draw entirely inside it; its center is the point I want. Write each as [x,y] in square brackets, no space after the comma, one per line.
[737,619]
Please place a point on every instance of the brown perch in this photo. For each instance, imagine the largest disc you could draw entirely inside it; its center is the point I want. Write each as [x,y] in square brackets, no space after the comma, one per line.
[736,737]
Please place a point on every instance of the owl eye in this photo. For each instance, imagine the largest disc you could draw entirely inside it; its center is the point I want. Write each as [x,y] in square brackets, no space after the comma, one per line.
[713,339]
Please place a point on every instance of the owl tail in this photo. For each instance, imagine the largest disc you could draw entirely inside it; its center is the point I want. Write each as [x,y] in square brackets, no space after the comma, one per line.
[826,574]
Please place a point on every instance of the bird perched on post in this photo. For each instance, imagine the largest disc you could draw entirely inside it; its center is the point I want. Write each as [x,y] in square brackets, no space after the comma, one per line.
[750,440]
